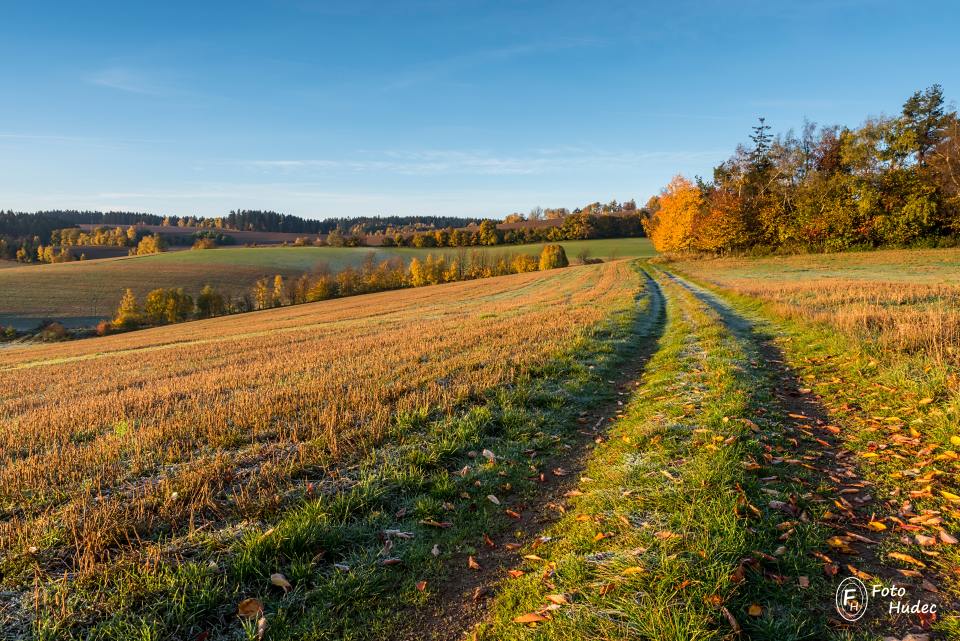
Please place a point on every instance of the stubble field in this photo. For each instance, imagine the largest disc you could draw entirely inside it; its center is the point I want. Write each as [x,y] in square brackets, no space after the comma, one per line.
[114,450]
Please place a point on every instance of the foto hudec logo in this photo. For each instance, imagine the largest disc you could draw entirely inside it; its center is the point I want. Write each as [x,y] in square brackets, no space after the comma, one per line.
[852,598]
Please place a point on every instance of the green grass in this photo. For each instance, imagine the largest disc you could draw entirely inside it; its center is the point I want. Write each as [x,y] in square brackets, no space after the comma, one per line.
[331,546]
[81,293]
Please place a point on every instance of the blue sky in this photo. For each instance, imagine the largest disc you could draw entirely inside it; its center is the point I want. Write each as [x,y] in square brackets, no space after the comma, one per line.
[428,107]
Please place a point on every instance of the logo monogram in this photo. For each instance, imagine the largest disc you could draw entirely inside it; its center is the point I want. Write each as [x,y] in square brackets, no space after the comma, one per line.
[852,598]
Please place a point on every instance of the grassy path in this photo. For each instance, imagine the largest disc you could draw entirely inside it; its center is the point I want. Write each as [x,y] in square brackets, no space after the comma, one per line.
[460,600]
[723,503]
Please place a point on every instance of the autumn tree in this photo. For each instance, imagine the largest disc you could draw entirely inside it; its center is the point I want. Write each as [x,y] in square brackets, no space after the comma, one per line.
[261,294]
[129,314]
[553,256]
[488,234]
[417,273]
[277,296]
[167,306]
[210,303]
[672,227]
[152,244]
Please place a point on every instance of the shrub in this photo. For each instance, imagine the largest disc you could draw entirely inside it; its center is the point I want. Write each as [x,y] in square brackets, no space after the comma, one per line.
[524,263]
[150,245]
[204,243]
[53,332]
[129,314]
[553,256]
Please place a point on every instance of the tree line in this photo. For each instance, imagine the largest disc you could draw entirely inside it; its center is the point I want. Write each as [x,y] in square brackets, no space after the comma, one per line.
[576,226]
[173,305]
[892,181]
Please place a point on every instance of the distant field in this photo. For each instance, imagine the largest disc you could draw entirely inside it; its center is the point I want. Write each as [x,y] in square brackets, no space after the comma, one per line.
[903,299]
[893,265]
[81,293]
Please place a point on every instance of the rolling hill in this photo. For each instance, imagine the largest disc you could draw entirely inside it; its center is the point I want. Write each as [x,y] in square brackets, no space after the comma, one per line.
[79,294]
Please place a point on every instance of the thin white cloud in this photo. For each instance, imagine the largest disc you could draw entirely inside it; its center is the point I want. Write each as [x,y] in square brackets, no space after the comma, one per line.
[127,80]
[441,162]
[437,69]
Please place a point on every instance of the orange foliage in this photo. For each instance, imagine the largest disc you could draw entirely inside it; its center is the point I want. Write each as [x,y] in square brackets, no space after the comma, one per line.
[672,228]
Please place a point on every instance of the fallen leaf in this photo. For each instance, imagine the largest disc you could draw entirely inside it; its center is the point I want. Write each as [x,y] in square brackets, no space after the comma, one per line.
[281,582]
[490,456]
[876,526]
[559,599]
[515,574]
[924,540]
[755,610]
[860,574]
[906,558]
[421,585]
[733,622]
[533,617]
[493,499]
[439,524]
[840,544]
[472,563]
[250,608]
[803,582]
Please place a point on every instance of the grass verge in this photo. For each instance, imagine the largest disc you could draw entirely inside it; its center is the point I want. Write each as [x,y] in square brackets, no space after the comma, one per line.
[898,413]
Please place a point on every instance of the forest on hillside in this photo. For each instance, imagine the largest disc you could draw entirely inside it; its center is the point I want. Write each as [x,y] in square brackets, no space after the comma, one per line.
[893,181]
[24,235]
